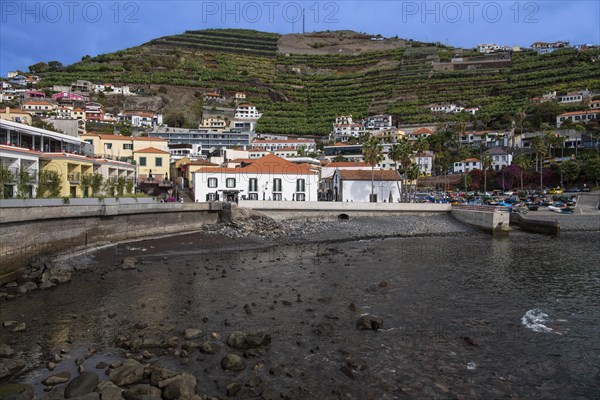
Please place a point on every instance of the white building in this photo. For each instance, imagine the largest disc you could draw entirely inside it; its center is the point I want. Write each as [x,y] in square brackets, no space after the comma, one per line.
[467,165]
[378,122]
[445,108]
[266,178]
[500,158]
[274,145]
[355,185]
[573,97]
[142,119]
[424,160]
[577,117]
[488,48]
[246,111]
[420,132]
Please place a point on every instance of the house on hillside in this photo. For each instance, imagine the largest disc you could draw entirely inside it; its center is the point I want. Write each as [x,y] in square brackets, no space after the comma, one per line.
[577,117]
[246,111]
[267,178]
[500,158]
[467,165]
[355,185]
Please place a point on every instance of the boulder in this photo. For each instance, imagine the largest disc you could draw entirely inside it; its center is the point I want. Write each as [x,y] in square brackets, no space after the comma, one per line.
[233,362]
[179,387]
[6,351]
[27,287]
[369,322]
[82,385]
[10,366]
[129,263]
[17,391]
[141,392]
[159,374]
[190,346]
[239,340]
[127,374]
[57,379]
[110,391]
[210,348]
[233,389]
[191,333]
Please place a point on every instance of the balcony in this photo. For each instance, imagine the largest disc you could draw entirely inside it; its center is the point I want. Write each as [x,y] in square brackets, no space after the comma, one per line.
[74,177]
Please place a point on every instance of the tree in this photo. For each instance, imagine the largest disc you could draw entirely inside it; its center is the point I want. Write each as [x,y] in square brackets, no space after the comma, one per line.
[540,149]
[24,182]
[6,177]
[96,183]
[175,120]
[486,161]
[38,68]
[592,170]
[372,151]
[401,153]
[339,158]
[50,182]
[523,162]
[55,65]
[569,170]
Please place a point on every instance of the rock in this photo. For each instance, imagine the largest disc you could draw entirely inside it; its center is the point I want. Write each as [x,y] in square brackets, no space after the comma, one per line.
[147,355]
[12,284]
[129,263]
[6,351]
[233,389]
[354,307]
[159,374]
[150,344]
[101,365]
[79,361]
[89,396]
[20,327]
[141,392]
[57,379]
[110,391]
[324,329]
[127,374]
[369,322]
[269,394]
[169,343]
[190,346]
[233,362]
[247,309]
[9,324]
[17,391]
[10,366]
[239,340]
[192,333]
[384,284]
[56,393]
[112,315]
[82,385]
[249,393]
[210,348]
[179,387]
[27,287]
[51,366]
[470,340]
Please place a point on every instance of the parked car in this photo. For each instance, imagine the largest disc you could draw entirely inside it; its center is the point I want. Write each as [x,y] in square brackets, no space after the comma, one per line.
[556,190]
[574,190]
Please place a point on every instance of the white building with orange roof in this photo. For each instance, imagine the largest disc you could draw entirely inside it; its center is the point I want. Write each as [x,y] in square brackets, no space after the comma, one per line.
[246,111]
[267,178]
[356,185]
[577,117]
[467,165]
[419,132]
[38,107]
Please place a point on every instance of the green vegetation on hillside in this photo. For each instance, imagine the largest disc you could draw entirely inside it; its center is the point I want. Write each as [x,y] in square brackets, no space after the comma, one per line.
[311,90]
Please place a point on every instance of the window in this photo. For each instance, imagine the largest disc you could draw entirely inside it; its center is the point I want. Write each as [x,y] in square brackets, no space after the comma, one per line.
[212,182]
[108,145]
[277,185]
[230,182]
[142,161]
[212,197]
[300,197]
[253,196]
[300,185]
[253,185]
[158,162]
[277,196]
[127,146]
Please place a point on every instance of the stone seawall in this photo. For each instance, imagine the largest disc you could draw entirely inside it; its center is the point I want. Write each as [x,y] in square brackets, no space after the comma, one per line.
[492,221]
[26,232]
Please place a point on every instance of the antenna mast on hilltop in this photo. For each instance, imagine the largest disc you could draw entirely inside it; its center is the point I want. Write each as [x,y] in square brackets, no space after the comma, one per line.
[303,19]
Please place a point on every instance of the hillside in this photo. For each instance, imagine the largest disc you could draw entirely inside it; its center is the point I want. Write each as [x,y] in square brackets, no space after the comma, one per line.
[301,82]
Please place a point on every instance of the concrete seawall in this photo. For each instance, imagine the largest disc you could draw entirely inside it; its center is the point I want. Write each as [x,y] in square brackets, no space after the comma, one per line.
[283,210]
[26,232]
[494,221]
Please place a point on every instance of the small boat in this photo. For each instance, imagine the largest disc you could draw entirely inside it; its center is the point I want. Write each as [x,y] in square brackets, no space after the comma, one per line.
[555,209]
[567,210]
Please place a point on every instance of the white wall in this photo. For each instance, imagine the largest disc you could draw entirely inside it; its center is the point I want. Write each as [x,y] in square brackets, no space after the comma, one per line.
[359,191]
[265,185]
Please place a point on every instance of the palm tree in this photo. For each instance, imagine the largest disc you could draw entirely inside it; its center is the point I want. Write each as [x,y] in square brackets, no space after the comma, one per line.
[520,117]
[401,154]
[372,151]
[412,173]
[523,162]
[540,150]
[459,130]
[486,161]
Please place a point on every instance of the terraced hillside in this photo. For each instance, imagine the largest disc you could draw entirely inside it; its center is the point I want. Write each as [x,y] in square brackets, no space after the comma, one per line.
[302,93]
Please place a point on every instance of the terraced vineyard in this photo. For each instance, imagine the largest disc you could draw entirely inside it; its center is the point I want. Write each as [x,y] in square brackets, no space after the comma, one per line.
[302,93]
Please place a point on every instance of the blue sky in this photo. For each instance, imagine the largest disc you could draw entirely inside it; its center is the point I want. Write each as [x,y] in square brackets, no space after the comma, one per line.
[33,31]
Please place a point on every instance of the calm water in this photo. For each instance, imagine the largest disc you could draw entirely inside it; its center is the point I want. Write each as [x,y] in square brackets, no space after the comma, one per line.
[529,304]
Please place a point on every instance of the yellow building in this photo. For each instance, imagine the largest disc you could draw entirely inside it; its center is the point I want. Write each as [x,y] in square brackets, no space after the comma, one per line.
[153,164]
[122,147]
[182,170]
[15,115]
[70,168]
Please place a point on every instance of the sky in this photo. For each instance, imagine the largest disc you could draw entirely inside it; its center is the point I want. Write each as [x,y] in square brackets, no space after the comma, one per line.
[66,30]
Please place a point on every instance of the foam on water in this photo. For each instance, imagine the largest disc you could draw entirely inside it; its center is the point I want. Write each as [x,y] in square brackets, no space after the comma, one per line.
[535,320]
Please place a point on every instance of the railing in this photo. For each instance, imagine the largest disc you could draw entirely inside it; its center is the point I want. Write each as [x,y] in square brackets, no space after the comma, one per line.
[76,177]
[477,207]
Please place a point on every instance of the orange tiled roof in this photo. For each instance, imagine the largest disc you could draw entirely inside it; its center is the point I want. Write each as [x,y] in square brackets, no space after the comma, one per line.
[269,164]
[151,150]
[567,114]
[423,131]
[366,175]
[343,164]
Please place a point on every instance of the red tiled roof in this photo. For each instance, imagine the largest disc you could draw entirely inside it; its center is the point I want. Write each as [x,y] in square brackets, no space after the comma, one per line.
[343,164]
[265,141]
[151,150]
[422,131]
[366,175]
[269,164]
[567,114]
[472,160]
